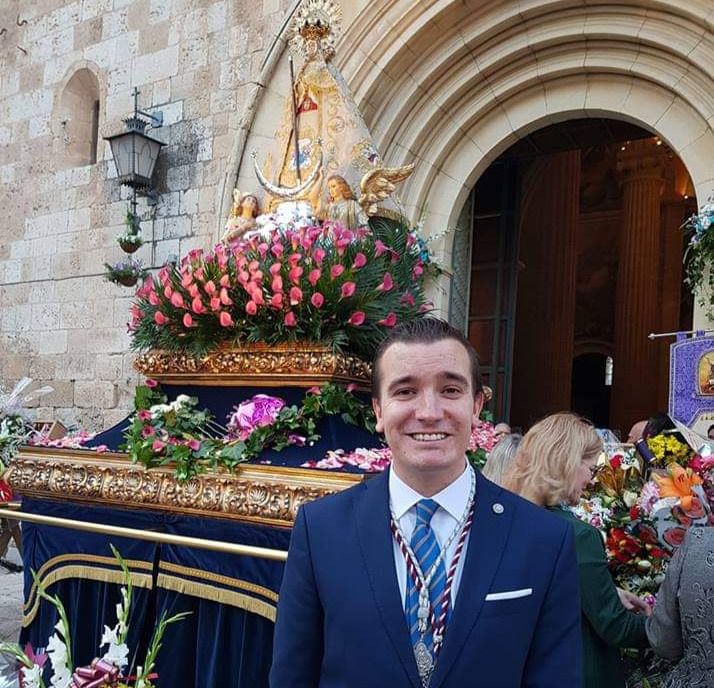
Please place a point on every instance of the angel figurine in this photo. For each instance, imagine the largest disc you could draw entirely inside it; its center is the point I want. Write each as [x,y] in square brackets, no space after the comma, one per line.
[242,219]
[342,206]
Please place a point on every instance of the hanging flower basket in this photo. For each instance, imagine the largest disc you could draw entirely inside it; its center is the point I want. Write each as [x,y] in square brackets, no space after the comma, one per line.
[127,280]
[127,272]
[128,246]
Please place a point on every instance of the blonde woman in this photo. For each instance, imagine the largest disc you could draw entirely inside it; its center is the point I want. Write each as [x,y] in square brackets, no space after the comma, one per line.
[500,458]
[555,461]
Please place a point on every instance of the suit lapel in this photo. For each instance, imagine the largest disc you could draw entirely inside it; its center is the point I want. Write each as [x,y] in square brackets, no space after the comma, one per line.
[487,540]
[375,537]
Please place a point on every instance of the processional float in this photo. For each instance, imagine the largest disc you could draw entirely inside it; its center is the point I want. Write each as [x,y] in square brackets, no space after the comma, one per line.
[256,355]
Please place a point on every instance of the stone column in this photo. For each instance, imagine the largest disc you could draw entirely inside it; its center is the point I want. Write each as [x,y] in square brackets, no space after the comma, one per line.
[637,304]
[543,355]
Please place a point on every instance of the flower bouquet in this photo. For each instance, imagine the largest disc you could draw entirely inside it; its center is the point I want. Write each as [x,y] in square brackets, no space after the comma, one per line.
[643,512]
[27,668]
[126,272]
[323,284]
[699,257]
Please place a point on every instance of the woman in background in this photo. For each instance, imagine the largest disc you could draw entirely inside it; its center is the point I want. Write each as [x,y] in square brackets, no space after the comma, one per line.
[500,458]
[555,461]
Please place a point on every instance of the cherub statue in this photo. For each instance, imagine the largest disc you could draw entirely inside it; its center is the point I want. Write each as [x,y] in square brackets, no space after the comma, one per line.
[342,206]
[242,219]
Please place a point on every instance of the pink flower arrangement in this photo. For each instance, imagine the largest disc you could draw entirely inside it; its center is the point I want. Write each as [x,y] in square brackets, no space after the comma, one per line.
[259,411]
[324,284]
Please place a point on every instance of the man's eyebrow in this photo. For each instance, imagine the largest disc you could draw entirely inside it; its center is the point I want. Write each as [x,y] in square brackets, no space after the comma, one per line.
[410,379]
[405,379]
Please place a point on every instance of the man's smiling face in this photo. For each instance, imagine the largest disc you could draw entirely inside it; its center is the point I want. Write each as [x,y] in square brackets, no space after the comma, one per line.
[426,409]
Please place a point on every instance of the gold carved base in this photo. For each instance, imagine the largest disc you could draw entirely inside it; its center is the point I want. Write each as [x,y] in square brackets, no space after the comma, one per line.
[297,364]
[268,495]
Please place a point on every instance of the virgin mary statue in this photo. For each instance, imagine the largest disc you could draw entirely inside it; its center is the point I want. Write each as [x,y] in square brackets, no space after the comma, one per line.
[322,123]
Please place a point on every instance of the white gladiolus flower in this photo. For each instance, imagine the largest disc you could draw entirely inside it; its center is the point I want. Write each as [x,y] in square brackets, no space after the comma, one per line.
[31,676]
[57,651]
[117,653]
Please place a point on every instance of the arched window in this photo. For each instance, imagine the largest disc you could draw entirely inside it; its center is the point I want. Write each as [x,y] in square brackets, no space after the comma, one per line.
[79,120]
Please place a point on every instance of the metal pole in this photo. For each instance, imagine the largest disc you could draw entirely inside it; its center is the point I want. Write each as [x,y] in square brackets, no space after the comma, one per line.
[653,335]
[150,535]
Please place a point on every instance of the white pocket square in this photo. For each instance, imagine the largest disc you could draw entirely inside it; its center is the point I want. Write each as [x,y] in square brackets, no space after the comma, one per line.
[509,594]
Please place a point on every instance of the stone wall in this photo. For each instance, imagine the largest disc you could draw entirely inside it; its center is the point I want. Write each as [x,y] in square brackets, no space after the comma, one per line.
[60,322]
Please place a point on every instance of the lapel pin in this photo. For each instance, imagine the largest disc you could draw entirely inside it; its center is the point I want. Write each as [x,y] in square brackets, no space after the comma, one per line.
[497,508]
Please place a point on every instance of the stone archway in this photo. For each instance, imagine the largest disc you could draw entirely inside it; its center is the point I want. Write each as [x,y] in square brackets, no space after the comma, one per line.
[451,85]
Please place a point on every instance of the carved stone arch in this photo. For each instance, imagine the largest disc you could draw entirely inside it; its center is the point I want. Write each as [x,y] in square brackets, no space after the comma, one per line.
[77,116]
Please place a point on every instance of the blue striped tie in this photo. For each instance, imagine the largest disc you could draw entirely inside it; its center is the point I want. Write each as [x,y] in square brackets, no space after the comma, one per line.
[426,549]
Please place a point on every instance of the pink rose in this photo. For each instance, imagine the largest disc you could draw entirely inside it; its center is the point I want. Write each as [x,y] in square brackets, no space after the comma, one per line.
[158,445]
[357,318]
[387,283]
[348,288]
[225,281]
[314,276]
[194,445]
[251,308]
[225,319]
[276,300]
[317,299]
[160,318]
[290,320]
[336,271]
[277,283]
[177,300]
[197,306]
[389,321]
[275,269]
[145,414]
[151,383]
[225,299]
[295,296]
[259,411]
[187,320]
[154,298]
[360,261]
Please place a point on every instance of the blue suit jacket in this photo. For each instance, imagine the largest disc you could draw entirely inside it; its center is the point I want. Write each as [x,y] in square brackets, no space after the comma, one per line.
[341,621]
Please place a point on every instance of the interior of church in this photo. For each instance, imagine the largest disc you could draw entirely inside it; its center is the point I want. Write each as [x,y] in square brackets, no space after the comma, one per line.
[577,229]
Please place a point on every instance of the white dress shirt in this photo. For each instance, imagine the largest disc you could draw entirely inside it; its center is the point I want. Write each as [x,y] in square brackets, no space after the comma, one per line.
[452,501]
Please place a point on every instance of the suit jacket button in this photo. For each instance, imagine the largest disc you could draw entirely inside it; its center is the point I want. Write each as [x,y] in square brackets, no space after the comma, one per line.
[497,508]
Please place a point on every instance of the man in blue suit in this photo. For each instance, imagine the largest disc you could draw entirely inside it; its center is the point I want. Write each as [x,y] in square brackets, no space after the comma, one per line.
[428,575]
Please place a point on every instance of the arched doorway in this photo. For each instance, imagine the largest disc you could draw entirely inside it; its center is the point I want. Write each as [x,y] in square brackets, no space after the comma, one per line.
[576,257]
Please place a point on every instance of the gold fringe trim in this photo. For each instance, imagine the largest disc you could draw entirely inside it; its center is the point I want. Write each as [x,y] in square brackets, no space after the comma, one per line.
[91,558]
[140,580]
[208,592]
[217,578]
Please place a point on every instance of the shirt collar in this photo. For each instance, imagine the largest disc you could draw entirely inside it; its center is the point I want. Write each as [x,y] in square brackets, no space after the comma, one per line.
[453,498]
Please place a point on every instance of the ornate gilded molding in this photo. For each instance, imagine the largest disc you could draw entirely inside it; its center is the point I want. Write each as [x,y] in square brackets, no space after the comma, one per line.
[259,365]
[268,495]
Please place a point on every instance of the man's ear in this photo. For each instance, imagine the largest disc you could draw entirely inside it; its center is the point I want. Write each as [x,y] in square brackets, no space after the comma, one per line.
[378,412]
[478,405]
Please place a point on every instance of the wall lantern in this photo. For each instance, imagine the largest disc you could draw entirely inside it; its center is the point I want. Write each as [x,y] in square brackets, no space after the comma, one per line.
[135,152]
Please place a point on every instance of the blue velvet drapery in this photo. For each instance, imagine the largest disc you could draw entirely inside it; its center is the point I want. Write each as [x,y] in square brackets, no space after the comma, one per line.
[227,640]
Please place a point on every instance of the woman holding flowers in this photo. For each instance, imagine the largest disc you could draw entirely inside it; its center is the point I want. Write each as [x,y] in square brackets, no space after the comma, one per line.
[554,463]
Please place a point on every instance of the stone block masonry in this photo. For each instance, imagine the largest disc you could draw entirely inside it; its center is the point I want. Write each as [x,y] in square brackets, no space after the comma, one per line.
[60,322]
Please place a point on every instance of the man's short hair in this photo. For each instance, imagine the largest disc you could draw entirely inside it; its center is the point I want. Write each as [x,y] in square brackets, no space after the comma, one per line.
[425,331]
